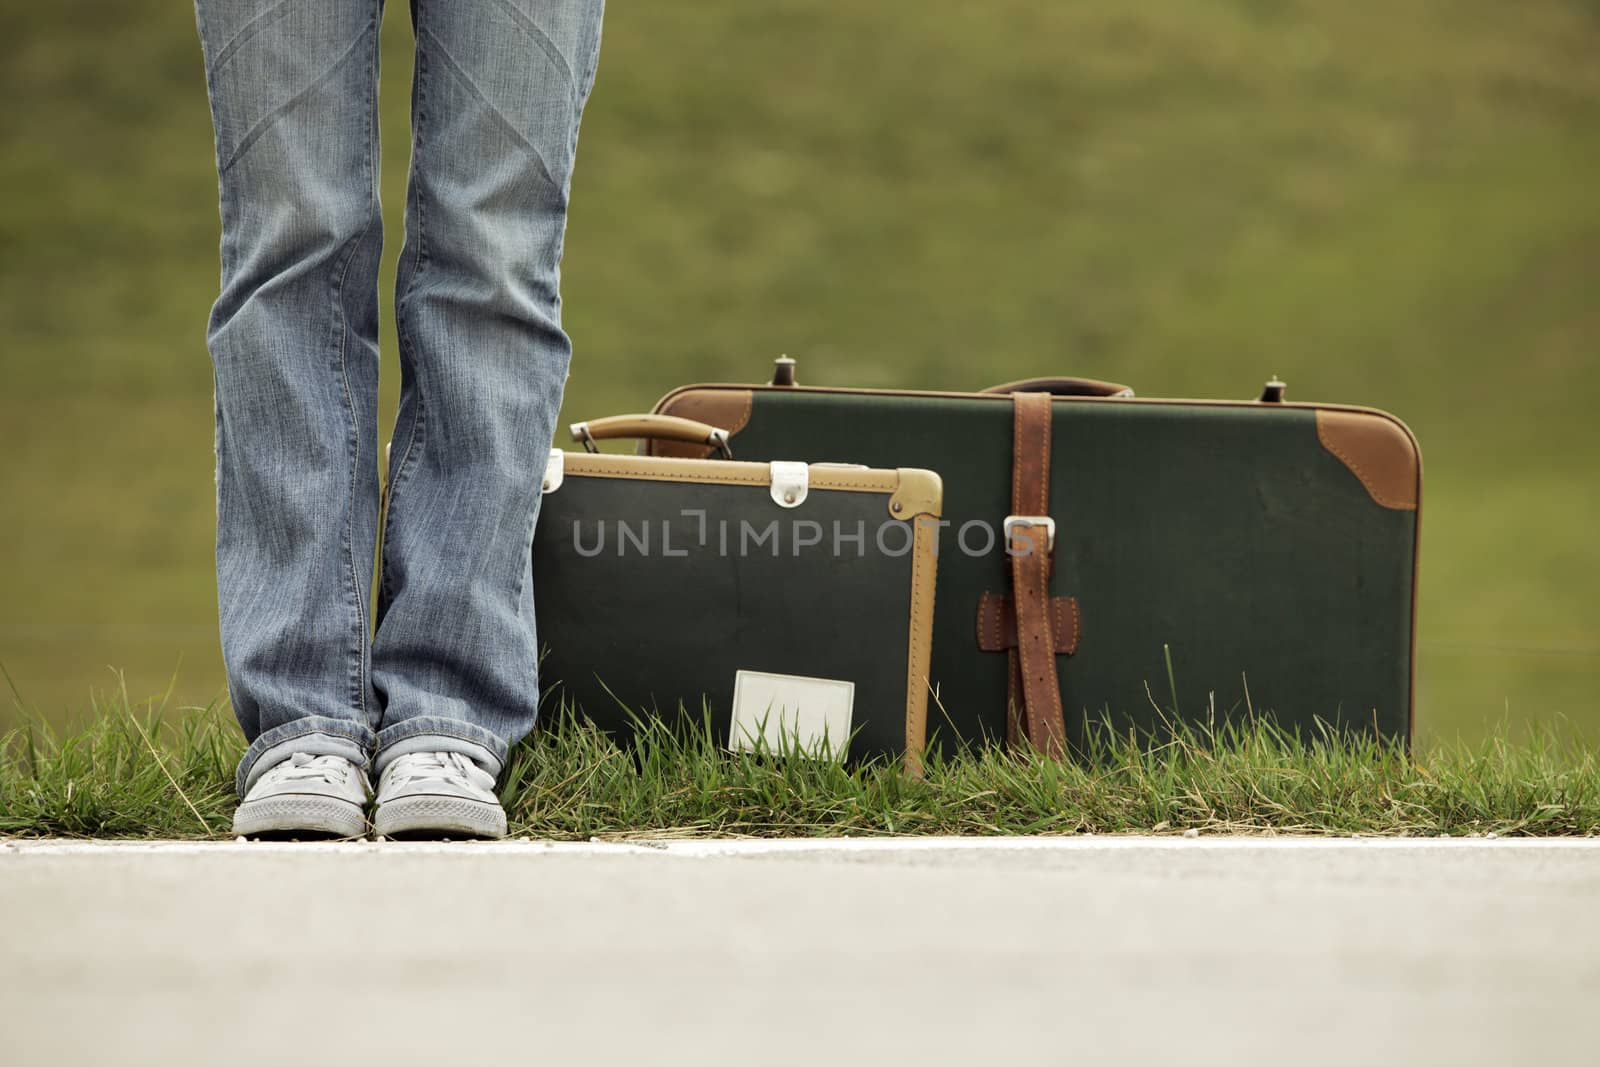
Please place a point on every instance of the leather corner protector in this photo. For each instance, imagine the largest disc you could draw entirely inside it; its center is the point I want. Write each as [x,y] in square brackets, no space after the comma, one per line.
[726,409]
[921,492]
[1378,450]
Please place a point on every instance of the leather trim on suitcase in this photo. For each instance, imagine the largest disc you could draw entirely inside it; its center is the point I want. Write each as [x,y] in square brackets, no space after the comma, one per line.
[920,645]
[1379,451]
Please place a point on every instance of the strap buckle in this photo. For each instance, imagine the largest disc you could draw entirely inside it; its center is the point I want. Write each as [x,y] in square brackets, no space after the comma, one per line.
[1013,521]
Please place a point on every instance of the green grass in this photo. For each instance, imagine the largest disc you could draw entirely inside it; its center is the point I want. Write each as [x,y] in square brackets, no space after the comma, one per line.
[1383,202]
[137,772]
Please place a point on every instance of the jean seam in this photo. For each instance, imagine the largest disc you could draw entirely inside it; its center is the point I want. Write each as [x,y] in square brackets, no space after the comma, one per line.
[402,334]
[317,724]
[265,123]
[494,745]
[506,124]
[540,38]
[414,434]
[527,540]
[586,85]
[357,680]
[248,32]
[580,99]
[433,725]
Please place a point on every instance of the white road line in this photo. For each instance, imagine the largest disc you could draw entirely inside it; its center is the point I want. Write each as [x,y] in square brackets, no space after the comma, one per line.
[733,847]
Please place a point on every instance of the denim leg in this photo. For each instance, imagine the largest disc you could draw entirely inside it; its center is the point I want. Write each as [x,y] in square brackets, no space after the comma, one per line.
[293,340]
[499,91]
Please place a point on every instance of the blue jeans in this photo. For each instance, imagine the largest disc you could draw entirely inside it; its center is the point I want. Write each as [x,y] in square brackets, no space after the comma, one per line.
[446,660]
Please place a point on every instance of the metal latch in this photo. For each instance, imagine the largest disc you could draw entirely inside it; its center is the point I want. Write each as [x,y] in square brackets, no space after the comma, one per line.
[1272,392]
[790,481]
[555,469]
[1013,521]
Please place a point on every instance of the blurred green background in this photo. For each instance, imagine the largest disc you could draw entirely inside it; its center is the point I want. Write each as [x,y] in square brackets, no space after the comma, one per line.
[1390,203]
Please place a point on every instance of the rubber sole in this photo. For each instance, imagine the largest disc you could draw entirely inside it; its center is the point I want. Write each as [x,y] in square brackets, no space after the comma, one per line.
[435,816]
[283,816]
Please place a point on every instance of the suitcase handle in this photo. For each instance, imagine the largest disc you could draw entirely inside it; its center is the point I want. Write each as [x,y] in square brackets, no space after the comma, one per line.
[1062,387]
[659,427]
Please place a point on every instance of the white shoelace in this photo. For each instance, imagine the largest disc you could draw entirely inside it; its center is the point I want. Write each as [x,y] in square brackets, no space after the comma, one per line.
[304,767]
[450,767]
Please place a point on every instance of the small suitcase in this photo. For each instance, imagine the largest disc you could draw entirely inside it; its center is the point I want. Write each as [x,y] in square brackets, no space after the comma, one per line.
[1133,561]
[792,602]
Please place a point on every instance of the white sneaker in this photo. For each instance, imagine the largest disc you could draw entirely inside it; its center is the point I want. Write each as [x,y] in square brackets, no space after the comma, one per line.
[438,794]
[313,795]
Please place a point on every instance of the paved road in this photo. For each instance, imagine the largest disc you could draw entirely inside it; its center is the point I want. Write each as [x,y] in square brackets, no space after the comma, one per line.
[1092,950]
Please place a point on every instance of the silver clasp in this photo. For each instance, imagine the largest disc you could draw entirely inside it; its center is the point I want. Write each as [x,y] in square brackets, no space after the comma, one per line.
[555,469]
[1013,521]
[790,482]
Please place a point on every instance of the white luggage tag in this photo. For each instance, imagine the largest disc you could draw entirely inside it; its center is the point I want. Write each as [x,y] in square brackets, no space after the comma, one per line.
[790,712]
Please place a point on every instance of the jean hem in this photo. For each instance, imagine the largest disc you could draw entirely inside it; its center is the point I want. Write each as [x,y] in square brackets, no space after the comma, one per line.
[312,734]
[435,734]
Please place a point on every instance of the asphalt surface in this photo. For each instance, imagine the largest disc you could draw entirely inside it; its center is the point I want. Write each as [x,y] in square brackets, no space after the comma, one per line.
[1092,950]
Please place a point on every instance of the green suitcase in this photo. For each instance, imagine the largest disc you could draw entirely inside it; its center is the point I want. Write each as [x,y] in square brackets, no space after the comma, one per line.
[792,603]
[1108,558]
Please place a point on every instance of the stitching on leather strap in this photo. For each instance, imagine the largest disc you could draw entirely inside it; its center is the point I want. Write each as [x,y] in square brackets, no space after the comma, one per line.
[995,609]
[1016,452]
[1047,652]
[1044,462]
[1036,645]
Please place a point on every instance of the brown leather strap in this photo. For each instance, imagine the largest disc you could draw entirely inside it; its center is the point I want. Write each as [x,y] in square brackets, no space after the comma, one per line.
[997,632]
[997,623]
[1030,574]
[1016,721]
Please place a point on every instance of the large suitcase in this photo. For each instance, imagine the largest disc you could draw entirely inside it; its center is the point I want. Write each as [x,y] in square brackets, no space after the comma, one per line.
[1134,561]
[793,603]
